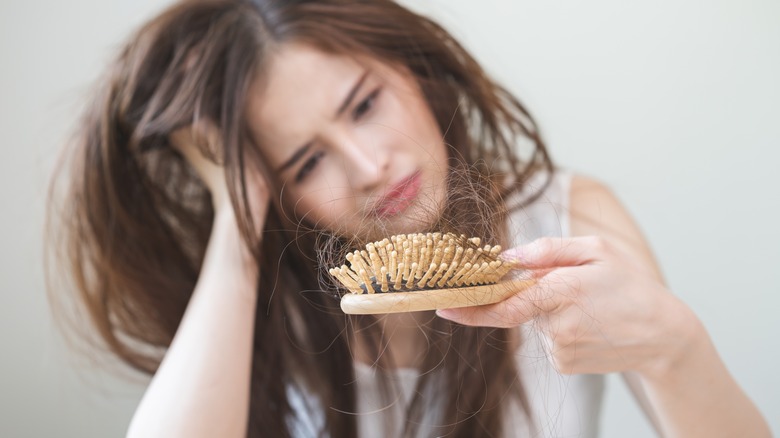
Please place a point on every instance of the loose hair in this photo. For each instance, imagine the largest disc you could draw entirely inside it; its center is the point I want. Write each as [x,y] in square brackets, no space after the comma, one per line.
[136,218]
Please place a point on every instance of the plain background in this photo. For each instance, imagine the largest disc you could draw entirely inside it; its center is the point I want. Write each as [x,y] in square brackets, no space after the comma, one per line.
[675,105]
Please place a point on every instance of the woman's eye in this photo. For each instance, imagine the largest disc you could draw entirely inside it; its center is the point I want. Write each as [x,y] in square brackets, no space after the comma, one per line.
[365,105]
[309,165]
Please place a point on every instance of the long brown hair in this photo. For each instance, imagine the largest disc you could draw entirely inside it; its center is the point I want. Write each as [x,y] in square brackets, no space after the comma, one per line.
[136,218]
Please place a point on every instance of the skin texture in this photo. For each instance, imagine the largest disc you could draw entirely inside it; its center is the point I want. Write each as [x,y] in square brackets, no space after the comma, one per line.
[600,300]
[385,135]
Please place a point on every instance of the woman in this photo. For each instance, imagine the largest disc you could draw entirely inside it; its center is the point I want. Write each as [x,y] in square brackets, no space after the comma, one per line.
[237,144]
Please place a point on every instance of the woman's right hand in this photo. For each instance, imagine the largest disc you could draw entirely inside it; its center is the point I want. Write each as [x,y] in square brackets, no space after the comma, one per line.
[213,175]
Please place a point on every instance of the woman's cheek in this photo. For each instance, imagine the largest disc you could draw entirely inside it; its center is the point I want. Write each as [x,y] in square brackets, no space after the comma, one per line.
[327,207]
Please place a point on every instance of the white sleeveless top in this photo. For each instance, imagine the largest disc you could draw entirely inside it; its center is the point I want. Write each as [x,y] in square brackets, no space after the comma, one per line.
[561,406]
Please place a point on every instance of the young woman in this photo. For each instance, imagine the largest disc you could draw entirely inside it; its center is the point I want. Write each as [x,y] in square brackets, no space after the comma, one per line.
[236,146]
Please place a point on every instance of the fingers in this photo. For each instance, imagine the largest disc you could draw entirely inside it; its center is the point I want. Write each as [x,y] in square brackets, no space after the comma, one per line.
[524,306]
[551,262]
[190,142]
[555,252]
[186,141]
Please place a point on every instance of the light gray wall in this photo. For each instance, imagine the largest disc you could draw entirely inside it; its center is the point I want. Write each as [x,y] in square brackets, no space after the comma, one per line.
[673,104]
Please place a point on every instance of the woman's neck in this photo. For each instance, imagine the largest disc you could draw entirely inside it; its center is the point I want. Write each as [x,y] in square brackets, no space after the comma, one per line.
[402,336]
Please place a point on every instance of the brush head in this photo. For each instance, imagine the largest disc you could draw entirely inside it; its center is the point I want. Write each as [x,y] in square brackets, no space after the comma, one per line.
[414,262]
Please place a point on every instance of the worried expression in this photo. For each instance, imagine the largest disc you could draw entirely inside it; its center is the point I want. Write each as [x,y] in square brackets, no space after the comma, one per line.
[352,141]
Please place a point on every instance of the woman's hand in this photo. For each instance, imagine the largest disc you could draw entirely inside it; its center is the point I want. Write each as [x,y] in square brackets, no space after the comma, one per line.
[213,175]
[602,306]
[226,241]
[598,309]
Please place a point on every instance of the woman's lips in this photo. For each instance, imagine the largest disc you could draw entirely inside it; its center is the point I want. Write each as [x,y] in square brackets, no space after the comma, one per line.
[399,197]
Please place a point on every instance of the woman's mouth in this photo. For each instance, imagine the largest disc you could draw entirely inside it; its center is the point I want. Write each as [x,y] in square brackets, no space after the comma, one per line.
[399,197]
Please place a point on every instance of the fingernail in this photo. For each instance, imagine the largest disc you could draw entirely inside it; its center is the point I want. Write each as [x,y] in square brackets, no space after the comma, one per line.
[514,256]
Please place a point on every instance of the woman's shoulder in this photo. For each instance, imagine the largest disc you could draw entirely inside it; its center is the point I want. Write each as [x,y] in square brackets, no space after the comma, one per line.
[570,204]
[593,204]
[541,208]
[595,210]
[571,188]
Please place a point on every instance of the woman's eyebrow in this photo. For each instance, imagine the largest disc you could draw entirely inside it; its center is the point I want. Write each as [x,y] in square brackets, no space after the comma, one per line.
[351,95]
[295,157]
[301,151]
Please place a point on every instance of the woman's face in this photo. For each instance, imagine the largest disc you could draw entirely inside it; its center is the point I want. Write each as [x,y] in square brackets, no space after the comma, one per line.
[353,143]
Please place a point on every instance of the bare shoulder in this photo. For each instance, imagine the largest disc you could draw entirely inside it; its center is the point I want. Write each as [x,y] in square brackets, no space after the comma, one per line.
[596,211]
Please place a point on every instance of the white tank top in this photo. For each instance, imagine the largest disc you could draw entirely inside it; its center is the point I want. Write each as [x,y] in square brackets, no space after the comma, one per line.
[561,405]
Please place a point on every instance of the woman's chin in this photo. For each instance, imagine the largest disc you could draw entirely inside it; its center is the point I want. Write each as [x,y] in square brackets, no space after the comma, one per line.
[413,221]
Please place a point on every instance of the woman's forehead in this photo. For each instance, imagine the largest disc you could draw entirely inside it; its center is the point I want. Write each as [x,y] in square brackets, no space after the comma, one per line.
[299,76]
[302,87]
[295,91]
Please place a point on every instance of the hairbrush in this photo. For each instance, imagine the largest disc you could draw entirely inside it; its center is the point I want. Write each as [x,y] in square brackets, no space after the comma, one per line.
[413,272]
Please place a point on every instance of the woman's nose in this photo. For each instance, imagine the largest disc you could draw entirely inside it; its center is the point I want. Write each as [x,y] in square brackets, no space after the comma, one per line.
[367,164]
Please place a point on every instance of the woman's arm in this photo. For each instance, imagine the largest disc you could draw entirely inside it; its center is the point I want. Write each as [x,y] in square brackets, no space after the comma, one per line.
[689,392]
[602,304]
[202,386]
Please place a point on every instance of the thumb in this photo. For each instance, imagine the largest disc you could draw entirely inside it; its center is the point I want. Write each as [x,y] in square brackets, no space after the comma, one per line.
[527,304]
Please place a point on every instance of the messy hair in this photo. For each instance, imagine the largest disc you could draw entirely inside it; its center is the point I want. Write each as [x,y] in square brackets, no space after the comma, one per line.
[135,218]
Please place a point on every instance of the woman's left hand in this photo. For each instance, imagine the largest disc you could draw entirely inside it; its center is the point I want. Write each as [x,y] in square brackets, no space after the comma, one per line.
[599,309]
[602,306]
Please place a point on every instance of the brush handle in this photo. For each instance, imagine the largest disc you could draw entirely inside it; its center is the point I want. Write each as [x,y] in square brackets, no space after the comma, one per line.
[432,299]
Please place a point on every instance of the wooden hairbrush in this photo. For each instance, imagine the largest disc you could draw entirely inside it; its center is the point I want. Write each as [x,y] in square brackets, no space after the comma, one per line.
[413,272]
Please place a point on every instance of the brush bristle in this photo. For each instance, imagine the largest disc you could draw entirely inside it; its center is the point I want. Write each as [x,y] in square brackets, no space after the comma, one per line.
[408,262]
